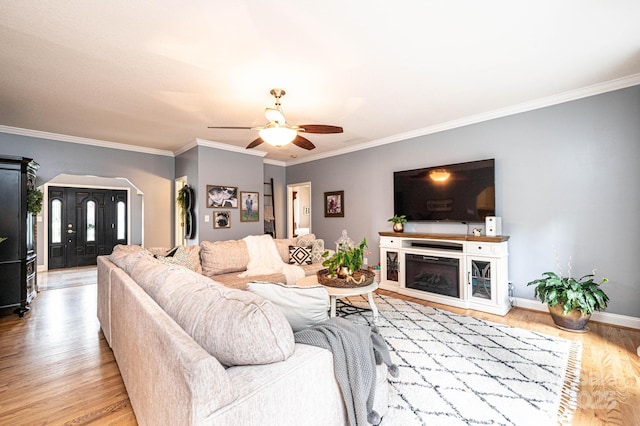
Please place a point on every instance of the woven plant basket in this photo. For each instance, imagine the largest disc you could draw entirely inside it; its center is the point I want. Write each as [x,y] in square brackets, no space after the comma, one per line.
[361,278]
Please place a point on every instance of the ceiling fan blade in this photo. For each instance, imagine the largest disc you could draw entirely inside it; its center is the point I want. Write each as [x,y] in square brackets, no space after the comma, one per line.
[303,143]
[255,143]
[321,128]
[240,128]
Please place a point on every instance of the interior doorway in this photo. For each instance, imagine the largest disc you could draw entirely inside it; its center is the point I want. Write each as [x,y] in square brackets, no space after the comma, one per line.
[84,223]
[298,209]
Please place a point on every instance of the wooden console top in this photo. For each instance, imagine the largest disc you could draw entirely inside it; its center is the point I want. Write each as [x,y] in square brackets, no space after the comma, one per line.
[455,237]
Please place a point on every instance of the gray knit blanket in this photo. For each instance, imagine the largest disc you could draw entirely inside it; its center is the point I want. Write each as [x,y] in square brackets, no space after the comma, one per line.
[356,350]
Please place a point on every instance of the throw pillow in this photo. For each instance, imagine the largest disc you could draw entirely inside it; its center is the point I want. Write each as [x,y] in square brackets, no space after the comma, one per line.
[237,327]
[282,244]
[302,306]
[317,250]
[299,255]
[222,257]
[158,251]
[179,256]
[306,240]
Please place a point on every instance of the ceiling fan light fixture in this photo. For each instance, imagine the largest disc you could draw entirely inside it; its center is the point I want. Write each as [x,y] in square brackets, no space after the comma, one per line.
[274,115]
[278,136]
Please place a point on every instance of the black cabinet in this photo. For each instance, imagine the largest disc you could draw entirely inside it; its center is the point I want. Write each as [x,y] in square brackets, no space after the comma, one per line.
[17,235]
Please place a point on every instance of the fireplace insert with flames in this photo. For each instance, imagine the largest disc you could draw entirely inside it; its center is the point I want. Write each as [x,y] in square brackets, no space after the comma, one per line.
[440,275]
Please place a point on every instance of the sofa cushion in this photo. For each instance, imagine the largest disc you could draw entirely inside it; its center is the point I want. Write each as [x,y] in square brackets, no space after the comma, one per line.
[299,255]
[221,257]
[282,245]
[126,256]
[129,248]
[237,327]
[194,254]
[232,280]
[302,306]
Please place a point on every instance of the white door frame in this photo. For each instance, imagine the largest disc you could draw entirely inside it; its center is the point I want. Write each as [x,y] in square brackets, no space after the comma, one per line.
[43,216]
[290,189]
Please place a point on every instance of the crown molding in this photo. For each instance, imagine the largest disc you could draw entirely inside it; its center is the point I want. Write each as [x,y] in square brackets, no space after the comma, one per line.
[572,95]
[233,148]
[275,162]
[185,148]
[596,89]
[82,141]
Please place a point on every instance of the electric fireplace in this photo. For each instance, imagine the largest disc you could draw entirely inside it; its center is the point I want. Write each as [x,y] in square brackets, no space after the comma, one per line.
[433,274]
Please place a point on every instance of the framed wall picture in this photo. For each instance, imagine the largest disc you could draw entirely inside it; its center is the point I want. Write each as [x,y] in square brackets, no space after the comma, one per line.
[334,204]
[249,206]
[222,219]
[222,196]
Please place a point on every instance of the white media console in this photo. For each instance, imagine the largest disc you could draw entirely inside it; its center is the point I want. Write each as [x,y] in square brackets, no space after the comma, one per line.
[457,270]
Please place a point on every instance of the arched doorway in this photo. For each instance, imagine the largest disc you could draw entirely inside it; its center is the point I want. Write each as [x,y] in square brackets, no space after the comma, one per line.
[128,207]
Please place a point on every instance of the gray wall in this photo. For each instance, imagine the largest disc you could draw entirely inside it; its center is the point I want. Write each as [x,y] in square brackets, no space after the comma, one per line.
[209,166]
[227,168]
[152,174]
[566,177]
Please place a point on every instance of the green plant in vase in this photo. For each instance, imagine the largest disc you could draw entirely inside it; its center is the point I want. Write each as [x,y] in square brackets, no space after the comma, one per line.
[398,222]
[346,260]
[571,301]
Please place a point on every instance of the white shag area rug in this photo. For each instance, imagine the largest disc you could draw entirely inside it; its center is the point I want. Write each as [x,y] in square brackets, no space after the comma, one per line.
[459,370]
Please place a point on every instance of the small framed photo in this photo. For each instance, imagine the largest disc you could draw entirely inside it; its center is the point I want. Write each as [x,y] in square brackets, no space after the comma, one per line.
[249,206]
[222,196]
[222,219]
[334,204]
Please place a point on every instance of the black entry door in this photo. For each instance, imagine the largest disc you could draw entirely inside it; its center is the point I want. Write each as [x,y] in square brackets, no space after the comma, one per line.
[85,223]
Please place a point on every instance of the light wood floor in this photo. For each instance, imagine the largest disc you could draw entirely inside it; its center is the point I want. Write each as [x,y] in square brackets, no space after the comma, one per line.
[56,368]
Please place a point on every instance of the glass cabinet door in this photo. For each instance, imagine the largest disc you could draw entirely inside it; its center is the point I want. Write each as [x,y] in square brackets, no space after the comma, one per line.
[389,267]
[481,283]
[391,263]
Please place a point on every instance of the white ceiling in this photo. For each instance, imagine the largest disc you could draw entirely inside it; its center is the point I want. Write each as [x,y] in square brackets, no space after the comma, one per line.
[155,74]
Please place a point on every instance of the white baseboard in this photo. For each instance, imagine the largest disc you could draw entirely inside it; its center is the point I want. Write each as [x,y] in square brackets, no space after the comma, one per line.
[604,317]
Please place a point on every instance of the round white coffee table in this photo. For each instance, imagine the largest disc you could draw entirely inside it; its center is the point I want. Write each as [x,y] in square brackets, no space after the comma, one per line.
[336,293]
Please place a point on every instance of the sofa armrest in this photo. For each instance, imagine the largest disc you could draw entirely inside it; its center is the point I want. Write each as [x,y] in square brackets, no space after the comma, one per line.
[105,266]
[170,379]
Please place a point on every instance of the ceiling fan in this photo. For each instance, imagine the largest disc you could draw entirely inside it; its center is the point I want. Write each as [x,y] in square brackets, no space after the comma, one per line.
[278,132]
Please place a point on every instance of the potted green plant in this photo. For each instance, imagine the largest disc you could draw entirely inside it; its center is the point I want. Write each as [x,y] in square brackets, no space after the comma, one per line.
[344,267]
[571,301]
[398,222]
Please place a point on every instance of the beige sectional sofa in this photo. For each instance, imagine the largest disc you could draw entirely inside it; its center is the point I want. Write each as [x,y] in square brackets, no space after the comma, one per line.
[224,261]
[192,351]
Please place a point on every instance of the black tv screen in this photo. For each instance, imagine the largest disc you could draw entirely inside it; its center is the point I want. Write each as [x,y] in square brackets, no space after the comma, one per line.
[463,192]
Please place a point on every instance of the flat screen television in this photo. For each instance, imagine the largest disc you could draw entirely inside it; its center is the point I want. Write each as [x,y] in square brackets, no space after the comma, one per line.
[463,192]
